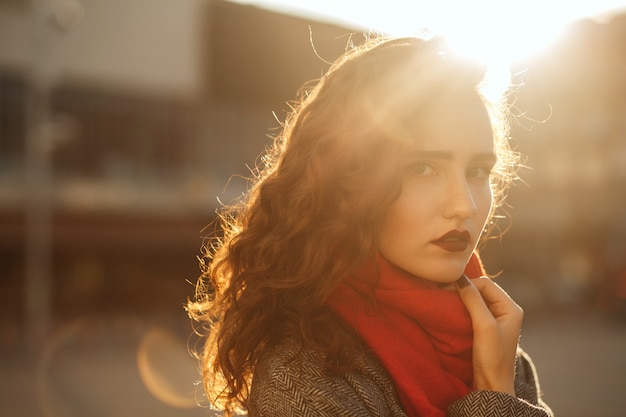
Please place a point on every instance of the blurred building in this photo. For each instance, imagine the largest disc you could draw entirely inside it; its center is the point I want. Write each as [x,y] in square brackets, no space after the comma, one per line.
[568,229]
[154,109]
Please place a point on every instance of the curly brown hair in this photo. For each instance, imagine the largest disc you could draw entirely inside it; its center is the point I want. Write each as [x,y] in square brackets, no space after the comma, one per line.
[314,207]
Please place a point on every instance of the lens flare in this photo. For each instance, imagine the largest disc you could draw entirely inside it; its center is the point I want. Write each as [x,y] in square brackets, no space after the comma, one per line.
[167,369]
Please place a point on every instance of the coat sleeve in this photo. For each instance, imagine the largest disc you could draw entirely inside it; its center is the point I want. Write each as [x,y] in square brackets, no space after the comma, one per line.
[527,401]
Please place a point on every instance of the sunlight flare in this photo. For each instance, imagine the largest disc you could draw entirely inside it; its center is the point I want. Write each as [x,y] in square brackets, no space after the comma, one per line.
[489,30]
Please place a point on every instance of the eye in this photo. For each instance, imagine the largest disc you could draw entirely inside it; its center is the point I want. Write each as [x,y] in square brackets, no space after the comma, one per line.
[421,169]
[479,172]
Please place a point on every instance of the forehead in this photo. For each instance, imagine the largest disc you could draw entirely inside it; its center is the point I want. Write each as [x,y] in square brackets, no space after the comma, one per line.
[454,120]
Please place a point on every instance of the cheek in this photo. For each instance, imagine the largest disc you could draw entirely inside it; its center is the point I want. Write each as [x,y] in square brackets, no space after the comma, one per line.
[402,218]
[390,226]
[484,202]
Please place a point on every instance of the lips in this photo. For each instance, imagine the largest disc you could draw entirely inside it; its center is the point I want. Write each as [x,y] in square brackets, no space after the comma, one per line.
[454,241]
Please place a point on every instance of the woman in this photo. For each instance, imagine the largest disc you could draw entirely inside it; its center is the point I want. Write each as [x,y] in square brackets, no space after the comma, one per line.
[340,286]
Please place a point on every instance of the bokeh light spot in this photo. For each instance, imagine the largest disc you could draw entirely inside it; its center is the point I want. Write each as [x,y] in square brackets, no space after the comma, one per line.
[166,368]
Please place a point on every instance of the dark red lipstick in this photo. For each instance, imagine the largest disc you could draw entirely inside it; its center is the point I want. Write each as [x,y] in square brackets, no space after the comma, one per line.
[454,241]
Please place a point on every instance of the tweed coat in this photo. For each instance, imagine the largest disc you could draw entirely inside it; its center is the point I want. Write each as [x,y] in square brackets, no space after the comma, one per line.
[290,381]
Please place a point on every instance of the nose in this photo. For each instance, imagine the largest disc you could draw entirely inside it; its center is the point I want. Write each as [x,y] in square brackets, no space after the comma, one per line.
[460,201]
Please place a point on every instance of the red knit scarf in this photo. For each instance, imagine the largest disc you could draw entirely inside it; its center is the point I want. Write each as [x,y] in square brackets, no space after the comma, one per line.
[421,333]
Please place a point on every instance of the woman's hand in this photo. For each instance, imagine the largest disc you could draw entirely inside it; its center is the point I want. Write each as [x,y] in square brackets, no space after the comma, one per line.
[497,321]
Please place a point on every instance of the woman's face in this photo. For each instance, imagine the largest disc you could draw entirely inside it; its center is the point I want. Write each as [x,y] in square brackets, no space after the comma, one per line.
[432,228]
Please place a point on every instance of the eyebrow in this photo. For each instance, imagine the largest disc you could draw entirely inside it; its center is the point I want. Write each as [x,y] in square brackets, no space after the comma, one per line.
[483,156]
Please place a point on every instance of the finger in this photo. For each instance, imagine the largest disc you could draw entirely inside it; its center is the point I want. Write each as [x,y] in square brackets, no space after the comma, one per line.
[473,300]
[490,291]
[501,306]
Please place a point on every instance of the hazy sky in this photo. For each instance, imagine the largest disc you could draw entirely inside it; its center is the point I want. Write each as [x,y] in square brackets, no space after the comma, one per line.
[508,29]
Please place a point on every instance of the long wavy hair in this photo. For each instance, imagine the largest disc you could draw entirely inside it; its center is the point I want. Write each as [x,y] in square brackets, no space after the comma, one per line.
[314,206]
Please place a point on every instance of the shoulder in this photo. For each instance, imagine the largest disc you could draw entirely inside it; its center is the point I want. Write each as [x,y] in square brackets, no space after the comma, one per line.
[292,380]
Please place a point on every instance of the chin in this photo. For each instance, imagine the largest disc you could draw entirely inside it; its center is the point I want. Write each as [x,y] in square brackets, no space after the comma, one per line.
[448,275]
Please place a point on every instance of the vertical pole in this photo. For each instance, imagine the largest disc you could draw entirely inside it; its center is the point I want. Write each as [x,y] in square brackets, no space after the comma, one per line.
[38,184]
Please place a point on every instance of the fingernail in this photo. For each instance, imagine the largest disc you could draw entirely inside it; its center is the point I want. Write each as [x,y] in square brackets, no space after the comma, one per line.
[463,281]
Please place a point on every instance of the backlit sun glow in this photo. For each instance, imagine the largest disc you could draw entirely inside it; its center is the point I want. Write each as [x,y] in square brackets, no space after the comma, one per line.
[494,31]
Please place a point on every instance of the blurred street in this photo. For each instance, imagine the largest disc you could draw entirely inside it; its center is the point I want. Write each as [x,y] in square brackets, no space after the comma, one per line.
[111,366]
[581,360]
[133,367]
